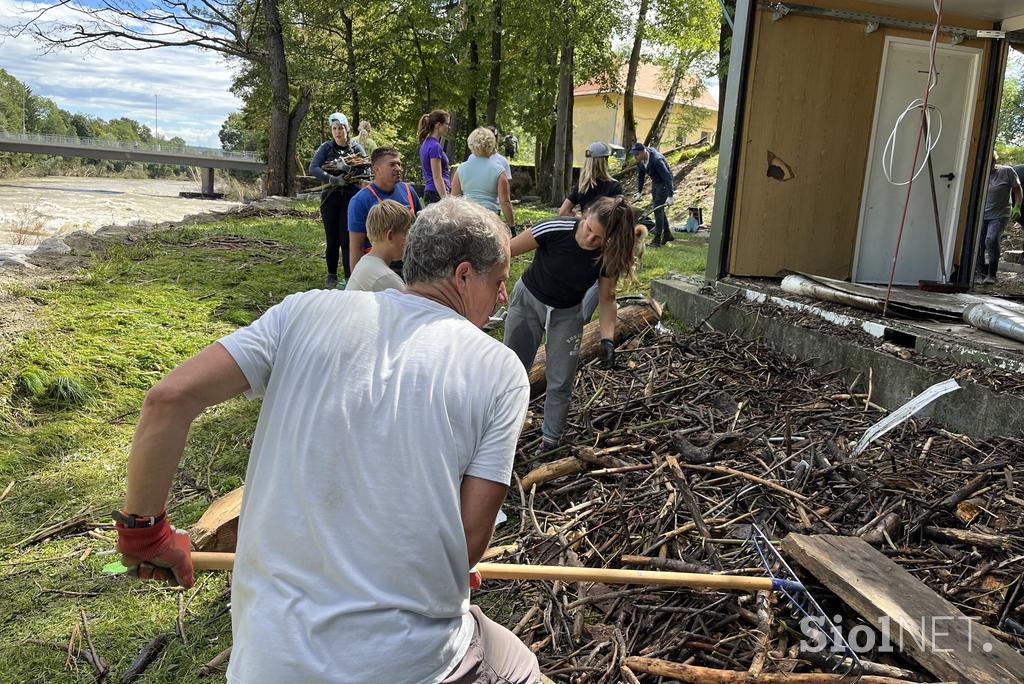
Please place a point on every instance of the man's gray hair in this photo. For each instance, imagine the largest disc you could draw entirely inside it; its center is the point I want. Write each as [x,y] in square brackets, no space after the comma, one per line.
[449,232]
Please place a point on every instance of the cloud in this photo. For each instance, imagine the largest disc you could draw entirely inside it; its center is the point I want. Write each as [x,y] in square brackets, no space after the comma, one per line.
[187,88]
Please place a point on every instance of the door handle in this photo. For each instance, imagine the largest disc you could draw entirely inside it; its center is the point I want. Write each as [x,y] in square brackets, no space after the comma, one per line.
[948,176]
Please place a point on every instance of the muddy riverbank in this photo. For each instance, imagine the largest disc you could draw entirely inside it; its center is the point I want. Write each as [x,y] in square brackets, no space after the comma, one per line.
[34,209]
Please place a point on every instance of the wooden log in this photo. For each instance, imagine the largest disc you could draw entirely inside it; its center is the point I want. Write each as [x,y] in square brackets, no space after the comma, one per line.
[922,623]
[988,541]
[217,530]
[633,318]
[553,470]
[692,674]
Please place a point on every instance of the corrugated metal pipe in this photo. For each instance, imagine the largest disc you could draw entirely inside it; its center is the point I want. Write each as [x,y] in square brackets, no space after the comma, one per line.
[996,319]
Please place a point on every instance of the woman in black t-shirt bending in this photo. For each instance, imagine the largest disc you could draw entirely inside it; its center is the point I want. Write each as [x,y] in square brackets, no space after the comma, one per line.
[571,254]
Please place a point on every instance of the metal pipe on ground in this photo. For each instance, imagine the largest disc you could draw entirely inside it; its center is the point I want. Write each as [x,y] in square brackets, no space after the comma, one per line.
[805,287]
[996,319]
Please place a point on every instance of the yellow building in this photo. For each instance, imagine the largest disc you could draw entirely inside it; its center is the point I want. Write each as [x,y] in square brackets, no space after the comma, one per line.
[597,114]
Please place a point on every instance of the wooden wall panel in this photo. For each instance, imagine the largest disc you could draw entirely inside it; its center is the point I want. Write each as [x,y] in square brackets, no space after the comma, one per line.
[811,102]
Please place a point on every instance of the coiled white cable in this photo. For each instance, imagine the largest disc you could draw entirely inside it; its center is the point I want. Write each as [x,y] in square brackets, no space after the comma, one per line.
[889,152]
[932,135]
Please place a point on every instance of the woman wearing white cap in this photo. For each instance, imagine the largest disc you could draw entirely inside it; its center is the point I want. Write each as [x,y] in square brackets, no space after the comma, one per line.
[335,197]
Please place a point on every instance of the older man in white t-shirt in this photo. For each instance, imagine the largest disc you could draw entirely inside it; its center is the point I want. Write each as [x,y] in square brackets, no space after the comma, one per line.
[383,450]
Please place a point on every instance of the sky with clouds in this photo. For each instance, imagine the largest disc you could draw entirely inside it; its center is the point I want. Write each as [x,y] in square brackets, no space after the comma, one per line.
[191,86]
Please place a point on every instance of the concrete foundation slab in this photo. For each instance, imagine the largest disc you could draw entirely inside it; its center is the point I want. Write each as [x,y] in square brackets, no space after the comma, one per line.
[975,410]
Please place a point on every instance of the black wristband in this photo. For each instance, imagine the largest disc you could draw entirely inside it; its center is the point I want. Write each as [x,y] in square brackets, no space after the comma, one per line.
[131,520]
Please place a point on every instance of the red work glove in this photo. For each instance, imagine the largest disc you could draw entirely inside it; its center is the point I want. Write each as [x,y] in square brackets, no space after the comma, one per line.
[475,579]
[160,552]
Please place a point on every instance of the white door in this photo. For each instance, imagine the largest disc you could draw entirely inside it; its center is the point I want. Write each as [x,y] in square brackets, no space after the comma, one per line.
[904,75]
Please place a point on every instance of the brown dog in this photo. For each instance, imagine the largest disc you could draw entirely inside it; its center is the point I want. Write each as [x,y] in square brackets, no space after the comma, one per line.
[640,245]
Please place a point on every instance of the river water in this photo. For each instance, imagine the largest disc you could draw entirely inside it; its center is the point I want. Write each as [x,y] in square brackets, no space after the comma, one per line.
[33,209]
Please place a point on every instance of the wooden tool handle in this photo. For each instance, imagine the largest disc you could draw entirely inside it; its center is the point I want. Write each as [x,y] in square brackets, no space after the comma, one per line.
[224,561]
[206,560]
[618,576]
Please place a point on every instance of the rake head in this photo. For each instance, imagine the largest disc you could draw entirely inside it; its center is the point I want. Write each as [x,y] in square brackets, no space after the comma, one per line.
[828,641]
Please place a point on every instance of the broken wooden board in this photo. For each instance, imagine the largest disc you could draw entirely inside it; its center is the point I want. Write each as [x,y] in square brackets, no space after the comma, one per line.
[217,530]
[920,622]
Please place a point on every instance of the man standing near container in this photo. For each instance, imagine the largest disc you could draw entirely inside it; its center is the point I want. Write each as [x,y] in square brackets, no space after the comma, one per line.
[1002,200]
[651,161]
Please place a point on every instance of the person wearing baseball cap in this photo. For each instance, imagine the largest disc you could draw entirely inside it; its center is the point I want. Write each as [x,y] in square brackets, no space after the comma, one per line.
[650,160]
[337,193]
[595,181]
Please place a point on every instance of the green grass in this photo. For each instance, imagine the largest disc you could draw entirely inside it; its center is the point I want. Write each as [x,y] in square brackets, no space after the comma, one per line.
[70,392]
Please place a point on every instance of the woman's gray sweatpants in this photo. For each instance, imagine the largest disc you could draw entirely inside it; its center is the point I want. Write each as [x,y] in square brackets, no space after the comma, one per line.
[527,320]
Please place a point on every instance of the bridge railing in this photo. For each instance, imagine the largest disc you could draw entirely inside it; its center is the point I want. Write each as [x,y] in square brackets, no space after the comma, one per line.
[105,144]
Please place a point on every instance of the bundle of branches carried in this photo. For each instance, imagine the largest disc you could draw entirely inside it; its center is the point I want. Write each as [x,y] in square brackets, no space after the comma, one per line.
[354,167]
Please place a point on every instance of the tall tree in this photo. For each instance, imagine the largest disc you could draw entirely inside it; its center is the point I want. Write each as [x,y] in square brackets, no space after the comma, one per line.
[661,119]
[231,27]
[492,88]
[350,65]
[629,119]
[1011,112]
[278,159]
[561,172]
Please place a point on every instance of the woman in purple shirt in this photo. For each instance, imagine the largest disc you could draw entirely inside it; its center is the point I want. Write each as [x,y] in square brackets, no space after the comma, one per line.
[432,157]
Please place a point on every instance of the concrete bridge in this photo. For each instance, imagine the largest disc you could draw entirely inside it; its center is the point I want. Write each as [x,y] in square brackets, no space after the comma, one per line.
[206,158]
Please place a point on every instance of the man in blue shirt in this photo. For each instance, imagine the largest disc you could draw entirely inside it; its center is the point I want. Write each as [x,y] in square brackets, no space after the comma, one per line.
[650,160]
[387,184]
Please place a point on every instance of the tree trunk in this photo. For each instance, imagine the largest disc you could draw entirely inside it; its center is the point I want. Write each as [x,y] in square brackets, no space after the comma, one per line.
[474,69]
[492,89]
[295,119]
[724,50]
[424,71]
[547,162]
[628,118]
[570,103]
[455,139]
[277,67]
[563,123]
[661,119]
[350,63]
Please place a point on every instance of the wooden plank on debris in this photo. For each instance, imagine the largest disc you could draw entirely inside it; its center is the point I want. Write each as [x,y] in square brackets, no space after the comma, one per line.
[920,622]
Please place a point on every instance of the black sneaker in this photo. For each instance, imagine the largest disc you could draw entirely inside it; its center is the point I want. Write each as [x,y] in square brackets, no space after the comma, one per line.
[332,282]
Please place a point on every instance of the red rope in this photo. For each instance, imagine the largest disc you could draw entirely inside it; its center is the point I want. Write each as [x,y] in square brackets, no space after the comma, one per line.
[917,152]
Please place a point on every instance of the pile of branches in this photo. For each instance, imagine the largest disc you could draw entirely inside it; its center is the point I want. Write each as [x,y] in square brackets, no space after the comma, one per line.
[668,460]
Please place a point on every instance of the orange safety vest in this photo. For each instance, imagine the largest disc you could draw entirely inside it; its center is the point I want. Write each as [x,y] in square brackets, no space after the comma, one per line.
[408,196]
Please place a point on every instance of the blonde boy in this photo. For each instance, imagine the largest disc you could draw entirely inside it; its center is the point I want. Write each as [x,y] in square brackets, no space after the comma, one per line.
[387,224]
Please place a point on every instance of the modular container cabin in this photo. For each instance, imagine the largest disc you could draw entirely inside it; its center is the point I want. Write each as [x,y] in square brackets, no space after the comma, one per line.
[812,178]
